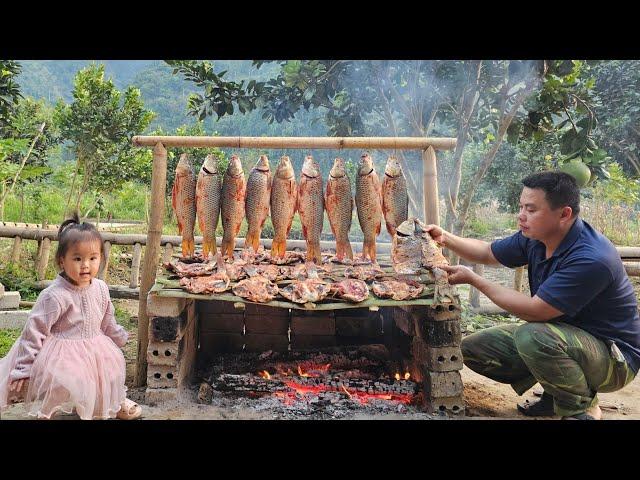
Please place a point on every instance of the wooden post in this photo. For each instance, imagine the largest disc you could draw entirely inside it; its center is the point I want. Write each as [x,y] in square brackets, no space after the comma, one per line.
[474,294]
[430,187]
[104,271]
[42,260]
[168,251]
[15,252]
[151,256]
[135,266]
[518,275]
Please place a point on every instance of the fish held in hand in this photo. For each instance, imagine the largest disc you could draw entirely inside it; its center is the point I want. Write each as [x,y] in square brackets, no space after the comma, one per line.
[183,197]
[208,199]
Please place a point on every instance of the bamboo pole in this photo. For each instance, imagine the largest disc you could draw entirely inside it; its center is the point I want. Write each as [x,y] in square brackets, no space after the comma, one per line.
[42,260]
[151,256]
[518,275]
[15,251]
[104,270]
[629,252]
[135,266]
[632,268]
[430,187]
[391,143]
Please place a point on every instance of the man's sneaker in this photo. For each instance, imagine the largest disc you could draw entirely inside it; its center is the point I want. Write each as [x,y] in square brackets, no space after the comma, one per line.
[538,408]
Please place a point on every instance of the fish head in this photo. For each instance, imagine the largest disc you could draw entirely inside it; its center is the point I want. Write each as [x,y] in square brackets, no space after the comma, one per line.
[262,164]
[210,165]
[184,167]
[366,165]
[338,169]
[393,168]
[310,167]
[235,166]
[285,168]
[406,228]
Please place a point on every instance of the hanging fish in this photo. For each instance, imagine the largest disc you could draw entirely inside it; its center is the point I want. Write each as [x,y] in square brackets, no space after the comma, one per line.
[339,204]
[208,195]
[395,200]
[233,195]
[311,207]
[369,205]
[257,201]
[183,195]
[284,194]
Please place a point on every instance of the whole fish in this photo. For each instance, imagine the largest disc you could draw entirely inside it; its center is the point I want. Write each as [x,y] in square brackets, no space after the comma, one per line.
[284,194]
[395,200]
[183,195]
[208,193]
[311,207]
[339,204]
[234,189]
[369,205]
[257,201]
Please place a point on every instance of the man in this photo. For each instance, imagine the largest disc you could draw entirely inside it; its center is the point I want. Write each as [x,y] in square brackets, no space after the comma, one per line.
[582,334]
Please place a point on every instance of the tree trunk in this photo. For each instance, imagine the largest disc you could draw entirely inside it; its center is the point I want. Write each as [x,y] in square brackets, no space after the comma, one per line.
[73,183]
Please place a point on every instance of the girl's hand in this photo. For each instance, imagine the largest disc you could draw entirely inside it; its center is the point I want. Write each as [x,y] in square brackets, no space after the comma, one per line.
[459,274]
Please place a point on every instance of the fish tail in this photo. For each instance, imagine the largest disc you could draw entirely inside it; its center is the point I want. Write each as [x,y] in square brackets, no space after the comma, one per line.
[343,248]
[209,247]
[253,239]
[278,247]
[369,249]
[313,252]
[188,247]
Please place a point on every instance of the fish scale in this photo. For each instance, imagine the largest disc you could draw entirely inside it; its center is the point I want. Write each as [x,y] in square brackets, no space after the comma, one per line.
[208,196]
[284,194]
[369,205]
[339,206]
[233,196]
[311,207]
[257,201]
[183,196]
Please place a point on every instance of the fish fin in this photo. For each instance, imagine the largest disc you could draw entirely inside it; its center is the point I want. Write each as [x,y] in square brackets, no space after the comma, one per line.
[369,249]
[313,252]
[278,247]
[209,247]
[188,247]
[348,250]
[252,239]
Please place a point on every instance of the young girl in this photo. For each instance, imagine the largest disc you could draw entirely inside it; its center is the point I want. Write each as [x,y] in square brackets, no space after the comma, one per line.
[67,357]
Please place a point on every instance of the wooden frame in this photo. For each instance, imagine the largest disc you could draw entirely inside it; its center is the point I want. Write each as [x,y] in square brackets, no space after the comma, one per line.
[158,192]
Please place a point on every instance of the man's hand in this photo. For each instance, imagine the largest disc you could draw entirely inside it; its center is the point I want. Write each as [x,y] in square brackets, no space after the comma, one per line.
[437,233]
[459,274]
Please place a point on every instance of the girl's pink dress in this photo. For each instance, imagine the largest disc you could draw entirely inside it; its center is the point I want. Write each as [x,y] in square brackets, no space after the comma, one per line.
[69,351]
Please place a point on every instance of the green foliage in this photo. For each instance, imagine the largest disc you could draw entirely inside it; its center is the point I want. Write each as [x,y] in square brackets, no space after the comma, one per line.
[16,278]
[9,91]
[7,339]
[618,189]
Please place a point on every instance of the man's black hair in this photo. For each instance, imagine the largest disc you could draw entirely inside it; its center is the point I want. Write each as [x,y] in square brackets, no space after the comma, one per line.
[561,189]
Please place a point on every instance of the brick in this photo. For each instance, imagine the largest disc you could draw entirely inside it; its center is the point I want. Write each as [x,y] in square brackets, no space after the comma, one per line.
[319,324]
[275,325]
[212,343]
[216,306]
[165,306]
[162,353]
[159,396]
[304,342]
[222,322]
[444,312]
[449,405]
[164,329]
[440,333]
[162,376]
[436,359]
[263,342]
[442,384]
[263,310]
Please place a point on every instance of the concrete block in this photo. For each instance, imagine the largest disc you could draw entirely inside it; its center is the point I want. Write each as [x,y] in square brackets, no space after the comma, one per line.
[164,329]
[162,376]
[159,396]
[445,333]
[162,353]
[442,384]
[10,301]
[165,306]
[447,405]
[15,319]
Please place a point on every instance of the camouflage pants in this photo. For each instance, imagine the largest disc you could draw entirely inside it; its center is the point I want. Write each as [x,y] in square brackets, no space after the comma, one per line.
[570,364]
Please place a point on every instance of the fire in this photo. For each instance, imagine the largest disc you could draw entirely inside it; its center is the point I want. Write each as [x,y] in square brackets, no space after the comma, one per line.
[397,376]
[346,391]
[301,373]
[407,375]
[265,374]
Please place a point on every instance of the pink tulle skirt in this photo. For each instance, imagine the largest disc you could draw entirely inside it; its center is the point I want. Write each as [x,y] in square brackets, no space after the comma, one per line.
[87,375]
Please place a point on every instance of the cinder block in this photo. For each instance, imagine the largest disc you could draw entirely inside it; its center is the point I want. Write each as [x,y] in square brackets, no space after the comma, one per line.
[222,322]
[162,353]
[160,396]
[436,359]
[162,376]
[164,329]
[262,342]
[10,301]
[274,325]
[264,310]
[443,312]
[212,343]
[322,323]
[448,405]
[442,384]
[306,342]
[165,306]
[441,333]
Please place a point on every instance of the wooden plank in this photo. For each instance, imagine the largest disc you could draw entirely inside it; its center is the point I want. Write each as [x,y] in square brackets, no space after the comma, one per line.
[15,251]
[116,291]
[103,273]
[135,266]
[43,259]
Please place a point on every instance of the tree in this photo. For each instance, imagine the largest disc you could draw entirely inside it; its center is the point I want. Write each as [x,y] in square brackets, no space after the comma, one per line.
[9,91]
[100,123]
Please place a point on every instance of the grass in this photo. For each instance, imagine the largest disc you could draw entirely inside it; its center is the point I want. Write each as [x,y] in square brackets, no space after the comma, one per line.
[7,339]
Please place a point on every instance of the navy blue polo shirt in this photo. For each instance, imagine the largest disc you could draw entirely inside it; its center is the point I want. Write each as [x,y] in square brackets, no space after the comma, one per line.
[584,279]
